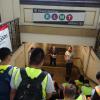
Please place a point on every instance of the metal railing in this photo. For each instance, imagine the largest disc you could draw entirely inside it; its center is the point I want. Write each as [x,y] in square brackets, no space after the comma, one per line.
[14,32]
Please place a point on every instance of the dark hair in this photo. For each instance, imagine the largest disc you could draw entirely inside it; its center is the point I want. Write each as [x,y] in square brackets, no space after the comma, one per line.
[4,52]
[86,81]
[52,75]
[98,75]
[37,56]
[72,82]
[95,96]
[70,91]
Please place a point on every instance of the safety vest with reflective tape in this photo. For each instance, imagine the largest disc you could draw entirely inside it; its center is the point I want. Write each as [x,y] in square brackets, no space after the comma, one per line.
[32,73]
[86,90]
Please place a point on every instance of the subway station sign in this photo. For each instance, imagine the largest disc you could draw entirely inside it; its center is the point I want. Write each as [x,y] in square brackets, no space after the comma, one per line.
[62,17]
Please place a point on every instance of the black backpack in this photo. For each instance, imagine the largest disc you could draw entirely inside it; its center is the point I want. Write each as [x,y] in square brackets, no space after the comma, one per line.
[30,89]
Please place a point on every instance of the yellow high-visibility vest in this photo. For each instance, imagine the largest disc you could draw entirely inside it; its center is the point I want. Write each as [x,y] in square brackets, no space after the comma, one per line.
[33,73]
[78,83]
[86,90]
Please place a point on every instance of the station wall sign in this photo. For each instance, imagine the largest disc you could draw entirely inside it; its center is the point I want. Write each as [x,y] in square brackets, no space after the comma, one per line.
[62,17]
[5,37]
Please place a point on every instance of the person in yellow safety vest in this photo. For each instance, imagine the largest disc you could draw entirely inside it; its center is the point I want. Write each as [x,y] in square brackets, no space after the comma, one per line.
[86,89]
[80,81]
[5,73]
[36,61]
[69,92]
[66,84]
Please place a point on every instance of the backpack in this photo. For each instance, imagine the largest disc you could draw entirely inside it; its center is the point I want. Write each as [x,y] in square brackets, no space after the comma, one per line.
[30,89]
[5,85]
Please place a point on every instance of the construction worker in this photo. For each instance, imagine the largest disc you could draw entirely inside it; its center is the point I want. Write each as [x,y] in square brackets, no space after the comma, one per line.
[5,73]
[32,73]
[80,81]
[86,89]
[69,92]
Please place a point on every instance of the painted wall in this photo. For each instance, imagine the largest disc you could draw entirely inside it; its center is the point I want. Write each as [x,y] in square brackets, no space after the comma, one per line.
[90,64]
[6,10]
[90,20]
[9,9]
[57,39]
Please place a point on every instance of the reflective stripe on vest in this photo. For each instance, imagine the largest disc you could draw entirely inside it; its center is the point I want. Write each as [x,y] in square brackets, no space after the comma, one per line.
[33,73]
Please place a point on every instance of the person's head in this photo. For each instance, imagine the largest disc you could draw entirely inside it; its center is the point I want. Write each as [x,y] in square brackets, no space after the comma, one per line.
[98,76]
[69,92]
[72,82]
[86,81]
[37,57]
[5,55]
[70,48]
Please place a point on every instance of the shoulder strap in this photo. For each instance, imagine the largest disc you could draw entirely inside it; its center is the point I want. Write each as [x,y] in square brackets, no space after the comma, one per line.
[41,76]
[7,70]
[23,74]
[6,75]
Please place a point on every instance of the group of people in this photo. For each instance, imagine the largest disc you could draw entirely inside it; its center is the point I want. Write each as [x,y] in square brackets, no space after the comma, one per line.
[79,89]
[34,83]
[68,58]
[30,83]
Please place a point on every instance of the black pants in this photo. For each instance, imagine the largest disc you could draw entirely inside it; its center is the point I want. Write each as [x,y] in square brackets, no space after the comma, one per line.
[52,61]
[69,69]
